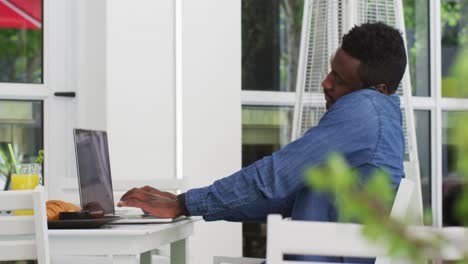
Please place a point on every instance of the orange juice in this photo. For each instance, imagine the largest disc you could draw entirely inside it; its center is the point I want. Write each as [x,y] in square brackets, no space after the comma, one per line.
[24,182]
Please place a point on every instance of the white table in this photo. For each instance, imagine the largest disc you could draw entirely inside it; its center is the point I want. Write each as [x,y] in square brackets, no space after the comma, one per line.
[125,243]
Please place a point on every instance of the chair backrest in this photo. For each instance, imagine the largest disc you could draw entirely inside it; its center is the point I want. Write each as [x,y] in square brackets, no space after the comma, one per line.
[329,239]
[402,200]
[24,237]
[400,207]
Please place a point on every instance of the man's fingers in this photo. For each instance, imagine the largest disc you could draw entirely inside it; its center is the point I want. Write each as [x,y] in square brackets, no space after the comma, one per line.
[136,194]
[152,190]
[133,202]
[149,189]
[128,193]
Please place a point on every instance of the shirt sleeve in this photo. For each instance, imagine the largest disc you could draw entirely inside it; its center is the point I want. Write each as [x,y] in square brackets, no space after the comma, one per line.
[350,127]
[256,211]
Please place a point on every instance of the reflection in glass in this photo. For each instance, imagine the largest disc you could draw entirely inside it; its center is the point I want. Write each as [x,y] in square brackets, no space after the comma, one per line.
[452,180]
[21,124]
[271,32]
[264,131]
[454,30]
[21,55]
[423,136]
[416,14]
[267,126]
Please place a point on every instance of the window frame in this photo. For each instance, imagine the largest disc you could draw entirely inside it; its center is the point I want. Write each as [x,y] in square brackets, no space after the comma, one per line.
[57,75]
[434,103]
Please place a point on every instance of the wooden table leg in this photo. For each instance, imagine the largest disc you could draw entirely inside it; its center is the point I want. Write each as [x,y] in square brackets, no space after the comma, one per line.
[179,252]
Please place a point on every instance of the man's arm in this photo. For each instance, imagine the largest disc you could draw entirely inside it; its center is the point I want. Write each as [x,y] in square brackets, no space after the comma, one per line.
[256,211]
[350,127]
[170,205]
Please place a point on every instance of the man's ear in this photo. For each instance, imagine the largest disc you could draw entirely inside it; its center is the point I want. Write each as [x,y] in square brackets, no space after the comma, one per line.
[382,88]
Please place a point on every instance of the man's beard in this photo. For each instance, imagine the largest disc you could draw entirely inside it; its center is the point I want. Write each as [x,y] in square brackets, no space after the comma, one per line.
[330,101]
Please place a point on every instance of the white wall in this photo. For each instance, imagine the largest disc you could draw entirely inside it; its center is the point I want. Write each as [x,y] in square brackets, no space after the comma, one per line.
[136,100]
[212,112]
[140,88]
[78,39]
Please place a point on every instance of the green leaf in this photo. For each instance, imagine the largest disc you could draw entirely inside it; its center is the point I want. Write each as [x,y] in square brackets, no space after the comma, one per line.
[40,157]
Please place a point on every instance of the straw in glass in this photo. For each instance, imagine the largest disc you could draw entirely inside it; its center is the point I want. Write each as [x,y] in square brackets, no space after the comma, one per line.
[13,159]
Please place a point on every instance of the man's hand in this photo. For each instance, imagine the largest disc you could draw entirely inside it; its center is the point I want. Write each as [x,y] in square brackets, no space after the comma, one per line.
[152,190]
[158,203]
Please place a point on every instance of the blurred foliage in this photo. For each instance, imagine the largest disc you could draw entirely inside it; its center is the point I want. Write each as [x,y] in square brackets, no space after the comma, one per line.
[40,156]
[291,12]
[271,32]
[460,135]
[20,55]
[5,165]
[417,39]
[369,202]
[260,45]
[453,24]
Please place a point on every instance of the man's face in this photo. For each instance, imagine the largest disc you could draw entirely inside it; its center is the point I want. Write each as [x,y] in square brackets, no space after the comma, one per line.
[343,77]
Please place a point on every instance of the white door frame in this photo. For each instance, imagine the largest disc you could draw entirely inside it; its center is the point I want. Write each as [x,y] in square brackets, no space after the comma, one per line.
[57,76]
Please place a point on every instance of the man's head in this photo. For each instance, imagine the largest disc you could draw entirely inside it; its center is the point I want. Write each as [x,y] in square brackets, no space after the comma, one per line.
[371,55]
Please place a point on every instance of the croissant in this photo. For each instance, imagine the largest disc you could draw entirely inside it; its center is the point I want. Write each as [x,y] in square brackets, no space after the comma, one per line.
[54,207]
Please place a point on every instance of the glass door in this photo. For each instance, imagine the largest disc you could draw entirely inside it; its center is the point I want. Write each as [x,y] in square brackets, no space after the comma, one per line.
[30,77]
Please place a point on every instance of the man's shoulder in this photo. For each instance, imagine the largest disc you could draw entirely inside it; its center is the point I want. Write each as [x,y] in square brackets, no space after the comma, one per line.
[357,102]
[351,110]
[368,101]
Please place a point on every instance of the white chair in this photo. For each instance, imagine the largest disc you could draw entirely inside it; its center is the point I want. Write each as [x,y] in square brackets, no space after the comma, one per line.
[323,238]
[338,239]
[330,239]
[24,237]
[318,239]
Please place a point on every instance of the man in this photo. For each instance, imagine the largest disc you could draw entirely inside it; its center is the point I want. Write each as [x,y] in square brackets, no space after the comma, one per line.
[363,123]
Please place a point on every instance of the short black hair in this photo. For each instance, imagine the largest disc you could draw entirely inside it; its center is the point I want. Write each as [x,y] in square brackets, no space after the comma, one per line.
[381,51]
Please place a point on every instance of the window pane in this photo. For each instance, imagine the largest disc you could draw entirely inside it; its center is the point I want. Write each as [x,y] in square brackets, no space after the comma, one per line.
[21,124]
[416,14]
[454,27]
[423,135]
[270,44]
[264,131]
[452,180]
[21,41]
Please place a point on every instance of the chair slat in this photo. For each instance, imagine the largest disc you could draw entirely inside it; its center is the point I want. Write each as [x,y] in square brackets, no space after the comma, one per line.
[15,200]
[17,225]
[40,223]
[24,237]
[402,200]
[18,250]
[351,242]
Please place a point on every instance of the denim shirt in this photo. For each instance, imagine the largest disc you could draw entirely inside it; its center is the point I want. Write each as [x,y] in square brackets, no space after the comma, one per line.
[365,126]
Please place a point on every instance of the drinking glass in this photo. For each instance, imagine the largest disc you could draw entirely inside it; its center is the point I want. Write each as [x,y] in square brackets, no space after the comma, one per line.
[25,177]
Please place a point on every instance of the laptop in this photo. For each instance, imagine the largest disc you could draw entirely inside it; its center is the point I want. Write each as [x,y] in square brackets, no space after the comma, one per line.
[94,178]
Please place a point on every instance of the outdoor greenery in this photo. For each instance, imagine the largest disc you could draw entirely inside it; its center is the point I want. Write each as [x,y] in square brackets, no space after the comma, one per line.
[271,32]
[5,165]
[291,24]
[369,202]
[40,157]
[454,26]
[417,39]
[20,55]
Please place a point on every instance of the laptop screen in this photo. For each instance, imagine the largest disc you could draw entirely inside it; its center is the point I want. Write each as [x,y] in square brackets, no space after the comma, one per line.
[94,175]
